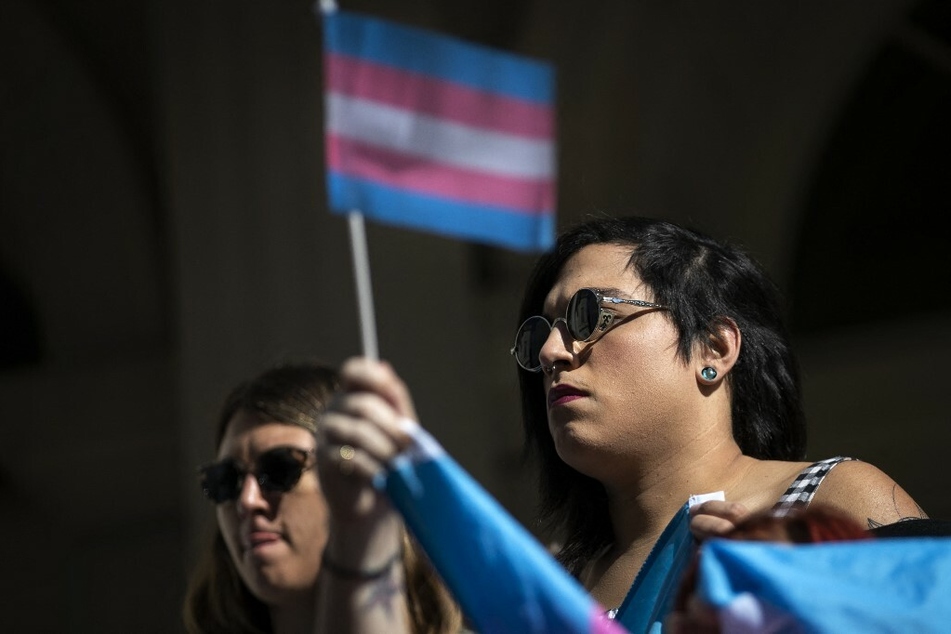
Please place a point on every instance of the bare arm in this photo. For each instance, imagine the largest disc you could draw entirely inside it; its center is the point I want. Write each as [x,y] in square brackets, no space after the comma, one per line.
[858,488]
[867,494]
[361,586]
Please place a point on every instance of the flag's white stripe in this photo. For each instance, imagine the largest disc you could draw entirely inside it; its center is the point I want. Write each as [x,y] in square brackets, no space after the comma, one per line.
[424,446]
[452,143]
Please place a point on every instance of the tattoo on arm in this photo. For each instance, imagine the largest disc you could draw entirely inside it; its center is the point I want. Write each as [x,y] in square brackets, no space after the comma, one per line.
[386,594]
[902,518]
[905,518]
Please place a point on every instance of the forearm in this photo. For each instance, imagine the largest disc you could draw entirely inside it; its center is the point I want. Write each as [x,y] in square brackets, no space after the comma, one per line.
[362,588]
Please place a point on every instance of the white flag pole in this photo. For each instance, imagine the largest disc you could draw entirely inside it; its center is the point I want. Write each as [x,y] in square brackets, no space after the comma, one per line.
[361,274]
[358,248]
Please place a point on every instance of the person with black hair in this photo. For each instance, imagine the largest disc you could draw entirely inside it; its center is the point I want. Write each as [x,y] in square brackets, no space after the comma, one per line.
[654,364]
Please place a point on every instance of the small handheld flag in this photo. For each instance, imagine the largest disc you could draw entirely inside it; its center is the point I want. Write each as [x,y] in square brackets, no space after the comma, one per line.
[428,132]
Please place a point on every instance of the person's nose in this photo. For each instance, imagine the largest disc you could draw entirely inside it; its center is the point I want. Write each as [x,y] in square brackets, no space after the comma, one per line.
[251,497]
[558,346]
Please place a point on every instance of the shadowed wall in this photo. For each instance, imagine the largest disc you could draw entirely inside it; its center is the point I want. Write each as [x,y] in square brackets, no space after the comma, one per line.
[163,234]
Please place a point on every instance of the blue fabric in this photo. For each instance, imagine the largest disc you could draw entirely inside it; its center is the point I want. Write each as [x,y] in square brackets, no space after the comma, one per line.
[479,223]
[652,594]
[503,578]
[869,586]
[438,55]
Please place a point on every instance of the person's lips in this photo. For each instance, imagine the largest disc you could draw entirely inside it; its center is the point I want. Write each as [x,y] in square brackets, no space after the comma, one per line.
[562,394]
[259,540]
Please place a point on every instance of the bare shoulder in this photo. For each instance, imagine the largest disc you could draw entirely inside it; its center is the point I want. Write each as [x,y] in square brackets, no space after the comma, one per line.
[867,493]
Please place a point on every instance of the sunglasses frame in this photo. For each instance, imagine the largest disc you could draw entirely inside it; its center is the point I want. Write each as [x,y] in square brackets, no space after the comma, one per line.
[301,457]
[604,320]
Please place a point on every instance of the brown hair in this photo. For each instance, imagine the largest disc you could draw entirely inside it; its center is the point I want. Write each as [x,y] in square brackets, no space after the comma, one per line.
[217,600]
[430,606]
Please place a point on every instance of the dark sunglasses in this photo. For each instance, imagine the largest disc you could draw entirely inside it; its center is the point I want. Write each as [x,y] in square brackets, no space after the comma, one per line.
[276,470]
[584,317]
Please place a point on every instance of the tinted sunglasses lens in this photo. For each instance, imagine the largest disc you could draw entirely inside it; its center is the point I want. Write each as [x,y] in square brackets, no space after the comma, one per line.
[280,469]
[219,482]
[583,312]
[529,341]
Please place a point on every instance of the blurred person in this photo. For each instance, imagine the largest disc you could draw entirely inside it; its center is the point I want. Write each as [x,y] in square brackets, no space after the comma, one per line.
[262,569]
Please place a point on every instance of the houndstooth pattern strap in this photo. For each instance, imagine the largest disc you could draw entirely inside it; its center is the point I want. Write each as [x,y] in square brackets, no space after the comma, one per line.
[800,492]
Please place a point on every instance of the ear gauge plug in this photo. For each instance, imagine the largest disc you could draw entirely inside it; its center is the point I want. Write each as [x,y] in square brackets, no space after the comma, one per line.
[708,373]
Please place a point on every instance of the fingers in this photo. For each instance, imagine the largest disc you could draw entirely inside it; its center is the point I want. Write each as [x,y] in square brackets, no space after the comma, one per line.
[348,461]
[363,428]
[363,375]
[366,419]
[715,518]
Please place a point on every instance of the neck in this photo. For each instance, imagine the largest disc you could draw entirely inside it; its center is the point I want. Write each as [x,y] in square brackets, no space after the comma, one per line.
[641,508]
[293,619]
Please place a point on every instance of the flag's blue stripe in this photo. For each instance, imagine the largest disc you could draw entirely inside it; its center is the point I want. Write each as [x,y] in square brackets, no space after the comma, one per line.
[434,54]
[479,223]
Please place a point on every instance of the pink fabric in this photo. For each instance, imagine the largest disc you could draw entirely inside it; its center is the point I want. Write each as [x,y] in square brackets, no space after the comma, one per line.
[601,624]
[436,97]
[424,176]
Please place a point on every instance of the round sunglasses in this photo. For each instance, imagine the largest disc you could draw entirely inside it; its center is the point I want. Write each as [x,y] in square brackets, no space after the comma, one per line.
[276,470]
[585,319]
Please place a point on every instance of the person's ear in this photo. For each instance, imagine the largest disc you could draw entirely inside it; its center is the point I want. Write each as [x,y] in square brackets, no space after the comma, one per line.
[720,352]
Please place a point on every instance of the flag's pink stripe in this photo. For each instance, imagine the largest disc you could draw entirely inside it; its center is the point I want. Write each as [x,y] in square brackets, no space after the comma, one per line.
[413,91]
[424,176]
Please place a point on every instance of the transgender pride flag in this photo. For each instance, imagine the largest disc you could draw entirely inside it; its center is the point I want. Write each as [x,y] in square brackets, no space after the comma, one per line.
[503,578]
[427,132]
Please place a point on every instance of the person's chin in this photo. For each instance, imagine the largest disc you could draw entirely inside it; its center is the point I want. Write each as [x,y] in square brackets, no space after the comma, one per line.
[269,584]
[574,448]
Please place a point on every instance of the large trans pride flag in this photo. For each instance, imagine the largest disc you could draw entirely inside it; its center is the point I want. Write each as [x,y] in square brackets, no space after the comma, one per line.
[506,582]
[428,132]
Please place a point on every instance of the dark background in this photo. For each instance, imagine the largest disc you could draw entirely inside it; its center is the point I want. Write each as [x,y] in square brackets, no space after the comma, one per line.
[163,234]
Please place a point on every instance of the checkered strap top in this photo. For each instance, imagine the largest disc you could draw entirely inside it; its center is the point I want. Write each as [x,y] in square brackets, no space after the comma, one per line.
[803,488]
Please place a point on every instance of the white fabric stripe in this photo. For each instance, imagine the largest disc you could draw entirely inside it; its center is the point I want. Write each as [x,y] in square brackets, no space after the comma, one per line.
[424,446]
[439,140]
[700,498]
